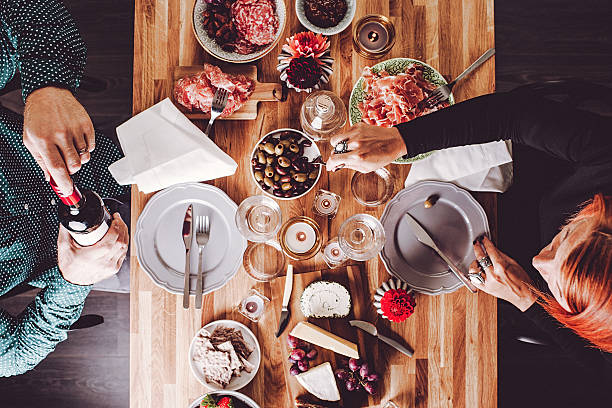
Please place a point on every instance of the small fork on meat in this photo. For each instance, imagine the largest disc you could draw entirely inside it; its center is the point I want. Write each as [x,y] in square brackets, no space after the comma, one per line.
[218,104]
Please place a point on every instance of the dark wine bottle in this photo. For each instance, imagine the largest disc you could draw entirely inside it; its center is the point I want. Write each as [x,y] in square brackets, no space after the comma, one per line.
[83,214]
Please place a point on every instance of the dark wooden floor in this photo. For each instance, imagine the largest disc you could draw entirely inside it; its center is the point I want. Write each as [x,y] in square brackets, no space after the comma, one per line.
[535,40]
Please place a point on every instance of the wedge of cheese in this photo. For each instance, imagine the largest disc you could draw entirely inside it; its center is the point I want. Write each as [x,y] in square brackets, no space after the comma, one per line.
[320,382]
[322,338]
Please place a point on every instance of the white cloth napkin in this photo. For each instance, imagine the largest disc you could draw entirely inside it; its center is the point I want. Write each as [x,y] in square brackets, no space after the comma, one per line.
[162,147]
[483,167]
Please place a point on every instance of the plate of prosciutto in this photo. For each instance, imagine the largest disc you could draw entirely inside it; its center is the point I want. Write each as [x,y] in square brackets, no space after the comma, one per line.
[238,30]
[389,93]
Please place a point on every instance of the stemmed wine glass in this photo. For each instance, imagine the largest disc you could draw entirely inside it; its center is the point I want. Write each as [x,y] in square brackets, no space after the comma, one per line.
[361,237]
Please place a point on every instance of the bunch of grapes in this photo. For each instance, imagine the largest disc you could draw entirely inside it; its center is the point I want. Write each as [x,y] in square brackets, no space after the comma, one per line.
[357,375]
[301,355]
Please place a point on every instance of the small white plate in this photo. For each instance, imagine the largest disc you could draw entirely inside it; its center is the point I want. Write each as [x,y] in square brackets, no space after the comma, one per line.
[235,395]
[338,28]
[237,382]
[159,240]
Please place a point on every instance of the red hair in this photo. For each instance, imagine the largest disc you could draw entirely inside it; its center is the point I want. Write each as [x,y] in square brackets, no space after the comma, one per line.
[586,278]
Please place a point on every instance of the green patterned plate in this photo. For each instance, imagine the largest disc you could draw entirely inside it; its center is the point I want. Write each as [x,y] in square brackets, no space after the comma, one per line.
[394,66]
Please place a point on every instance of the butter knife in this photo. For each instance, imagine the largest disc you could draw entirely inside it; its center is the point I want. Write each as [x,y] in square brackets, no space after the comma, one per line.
[187,234]
[425,239]
[284,317]
[371,329]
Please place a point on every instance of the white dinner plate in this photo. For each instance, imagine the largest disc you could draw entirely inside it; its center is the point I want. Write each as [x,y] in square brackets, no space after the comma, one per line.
[159,240]
[237,382]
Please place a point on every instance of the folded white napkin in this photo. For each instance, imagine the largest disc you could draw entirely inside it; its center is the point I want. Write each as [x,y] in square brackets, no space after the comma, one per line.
[162,147]
[483,167]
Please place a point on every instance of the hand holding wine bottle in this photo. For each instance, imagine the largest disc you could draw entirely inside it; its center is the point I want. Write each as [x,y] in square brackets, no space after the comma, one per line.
[86,265]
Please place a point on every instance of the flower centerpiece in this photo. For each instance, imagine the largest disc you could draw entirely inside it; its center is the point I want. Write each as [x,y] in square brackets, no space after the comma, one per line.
[305,61]
[394,300]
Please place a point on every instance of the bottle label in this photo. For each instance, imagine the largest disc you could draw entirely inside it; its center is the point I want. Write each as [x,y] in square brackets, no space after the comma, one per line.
[91,237]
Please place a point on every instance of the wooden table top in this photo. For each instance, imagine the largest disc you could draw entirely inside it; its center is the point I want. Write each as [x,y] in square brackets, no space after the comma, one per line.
[454,336]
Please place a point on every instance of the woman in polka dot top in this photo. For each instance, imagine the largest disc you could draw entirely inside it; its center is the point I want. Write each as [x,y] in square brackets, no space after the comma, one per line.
[39,38]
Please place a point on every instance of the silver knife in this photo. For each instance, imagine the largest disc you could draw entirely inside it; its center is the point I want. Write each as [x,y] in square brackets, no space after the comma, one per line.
[187,234]
[371,329]
[425,239]
[284,317]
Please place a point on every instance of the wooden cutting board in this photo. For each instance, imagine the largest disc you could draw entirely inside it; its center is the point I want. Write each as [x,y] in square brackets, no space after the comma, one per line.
[264,92]
[352,278]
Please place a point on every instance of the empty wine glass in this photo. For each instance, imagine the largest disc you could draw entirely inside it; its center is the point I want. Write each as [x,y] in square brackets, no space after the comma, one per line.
[258,218]
[361,237]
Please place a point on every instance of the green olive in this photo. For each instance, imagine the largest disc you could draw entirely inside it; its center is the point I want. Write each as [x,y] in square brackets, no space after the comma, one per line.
[284,162]
[269,148]
[286,186]
[261,157]
[269,171]
[268,182]
[279,149]
[300,177]
[277,177]
[313,174]
[285,142]
[259,176]
[294,148]
[270,159]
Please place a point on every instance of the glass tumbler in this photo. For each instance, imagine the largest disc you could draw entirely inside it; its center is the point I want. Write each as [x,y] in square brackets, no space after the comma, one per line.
[263,261]
[372,189]
[361,237]
[258,218]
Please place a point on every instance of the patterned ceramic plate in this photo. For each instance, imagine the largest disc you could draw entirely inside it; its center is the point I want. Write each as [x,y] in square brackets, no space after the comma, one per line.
[393,66]
[214,49]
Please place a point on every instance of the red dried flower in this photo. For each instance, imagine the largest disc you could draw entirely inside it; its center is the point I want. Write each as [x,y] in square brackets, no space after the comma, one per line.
[303,73]
[306,44]
[397,305]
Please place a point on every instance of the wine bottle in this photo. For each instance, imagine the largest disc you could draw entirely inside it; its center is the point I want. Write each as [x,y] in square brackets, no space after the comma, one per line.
[83,214]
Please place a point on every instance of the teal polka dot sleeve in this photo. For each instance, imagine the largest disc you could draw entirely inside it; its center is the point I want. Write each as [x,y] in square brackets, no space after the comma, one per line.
[41,40]
[28,247]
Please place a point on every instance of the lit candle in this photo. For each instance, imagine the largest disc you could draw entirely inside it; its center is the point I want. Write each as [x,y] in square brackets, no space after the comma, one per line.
[332,254]
[373,36]
[253,305]
[300,237]
[326,203]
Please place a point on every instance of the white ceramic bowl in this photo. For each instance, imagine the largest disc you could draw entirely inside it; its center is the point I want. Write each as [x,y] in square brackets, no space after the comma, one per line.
[237,382]
[338,28]
[241,397]
[312,152]
[214,49]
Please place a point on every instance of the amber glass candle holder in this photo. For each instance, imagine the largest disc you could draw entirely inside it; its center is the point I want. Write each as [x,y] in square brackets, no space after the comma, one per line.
[300,238]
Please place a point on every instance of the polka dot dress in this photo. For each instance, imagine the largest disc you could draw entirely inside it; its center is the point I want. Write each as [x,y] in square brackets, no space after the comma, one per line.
[40,39]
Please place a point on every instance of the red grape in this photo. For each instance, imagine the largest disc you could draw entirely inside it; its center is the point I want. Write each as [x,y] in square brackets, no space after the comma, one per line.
[342,374]
[312,354]
[297,354]
[370,388]
[303,365]
[364,370]
[354,364]
[292,341]
[351,384]
[291,361]
[294,370]
[373,377]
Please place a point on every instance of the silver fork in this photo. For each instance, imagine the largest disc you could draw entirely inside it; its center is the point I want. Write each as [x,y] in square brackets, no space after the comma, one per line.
[202,234]
[442,93]
[218,104]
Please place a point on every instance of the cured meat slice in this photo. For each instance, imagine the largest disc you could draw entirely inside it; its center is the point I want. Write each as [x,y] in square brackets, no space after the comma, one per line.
[255,20]
[196,92]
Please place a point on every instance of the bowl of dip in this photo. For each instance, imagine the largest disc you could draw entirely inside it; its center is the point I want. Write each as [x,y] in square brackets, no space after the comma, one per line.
[327,17]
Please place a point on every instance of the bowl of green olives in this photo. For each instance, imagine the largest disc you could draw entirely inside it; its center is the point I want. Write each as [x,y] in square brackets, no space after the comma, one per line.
[282,164]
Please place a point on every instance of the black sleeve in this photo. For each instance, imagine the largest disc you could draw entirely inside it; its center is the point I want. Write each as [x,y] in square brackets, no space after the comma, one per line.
[561,131]
[590,358]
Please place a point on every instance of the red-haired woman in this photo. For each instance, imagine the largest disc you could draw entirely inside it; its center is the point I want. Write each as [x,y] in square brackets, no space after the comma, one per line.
[574,223]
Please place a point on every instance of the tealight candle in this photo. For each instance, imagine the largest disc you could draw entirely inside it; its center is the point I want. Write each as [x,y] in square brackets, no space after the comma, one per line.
[300,237]
[326,203]
[373,36]
[332,254]
[253,306]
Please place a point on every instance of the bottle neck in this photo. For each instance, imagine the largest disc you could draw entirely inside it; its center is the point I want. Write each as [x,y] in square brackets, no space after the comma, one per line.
[73,200]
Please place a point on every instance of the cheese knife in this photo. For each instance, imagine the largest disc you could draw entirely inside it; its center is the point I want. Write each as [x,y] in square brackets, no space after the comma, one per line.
[187,235]
[284,317]
[371,329]
[425,239]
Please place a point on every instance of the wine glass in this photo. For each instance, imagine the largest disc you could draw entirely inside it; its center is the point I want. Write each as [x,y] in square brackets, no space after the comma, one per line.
[258,218]
[361,237]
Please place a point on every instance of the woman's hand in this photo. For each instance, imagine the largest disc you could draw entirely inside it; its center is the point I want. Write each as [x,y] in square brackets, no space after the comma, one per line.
[371,147]
[58,133]
[88,265]
[505,279]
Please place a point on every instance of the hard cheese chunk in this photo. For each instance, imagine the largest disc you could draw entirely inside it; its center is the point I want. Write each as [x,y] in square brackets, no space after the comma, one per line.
[322,338]
[320,382]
